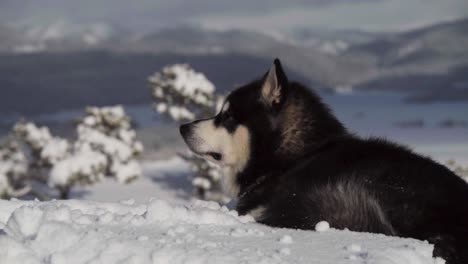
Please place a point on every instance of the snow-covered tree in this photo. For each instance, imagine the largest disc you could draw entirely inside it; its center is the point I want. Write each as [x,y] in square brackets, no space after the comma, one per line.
[182,94]
[109,130]
[13,169]
[106,146]
[42,151]
[45,148]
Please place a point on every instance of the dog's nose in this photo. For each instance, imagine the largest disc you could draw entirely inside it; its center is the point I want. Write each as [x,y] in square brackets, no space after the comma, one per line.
[184,129]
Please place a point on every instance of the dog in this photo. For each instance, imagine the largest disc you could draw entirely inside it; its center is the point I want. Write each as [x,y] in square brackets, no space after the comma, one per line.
[291,163]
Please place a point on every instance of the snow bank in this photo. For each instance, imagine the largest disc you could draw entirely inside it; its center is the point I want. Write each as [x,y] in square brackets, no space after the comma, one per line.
[158,232]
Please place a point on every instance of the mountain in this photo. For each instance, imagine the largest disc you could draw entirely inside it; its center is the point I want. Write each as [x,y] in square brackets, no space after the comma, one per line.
[313,36]
[101,64]
[435,49]
[316,62]
[59,36]
[429,63]
[322,69]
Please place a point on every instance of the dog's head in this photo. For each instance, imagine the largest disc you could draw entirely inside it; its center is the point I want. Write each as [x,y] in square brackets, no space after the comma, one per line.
[260,125]
[244,126]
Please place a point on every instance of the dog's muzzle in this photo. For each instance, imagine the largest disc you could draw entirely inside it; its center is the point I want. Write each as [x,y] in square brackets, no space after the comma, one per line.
[192,142]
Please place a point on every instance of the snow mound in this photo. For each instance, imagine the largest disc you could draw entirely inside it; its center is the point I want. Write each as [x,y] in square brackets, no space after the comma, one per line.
[75,231]
[322,226]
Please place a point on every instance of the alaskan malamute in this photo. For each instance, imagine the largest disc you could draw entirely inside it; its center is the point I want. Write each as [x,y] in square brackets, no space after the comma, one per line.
[291,164]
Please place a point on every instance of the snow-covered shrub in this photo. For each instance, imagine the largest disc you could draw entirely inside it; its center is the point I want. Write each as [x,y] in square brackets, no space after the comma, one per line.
[45,148]
[82,166]
[109,131]
[206,179]
[106,146]
[13,169]
[182,94]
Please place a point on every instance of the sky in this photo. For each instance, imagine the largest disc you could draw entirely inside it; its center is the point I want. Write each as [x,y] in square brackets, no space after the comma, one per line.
[263,15]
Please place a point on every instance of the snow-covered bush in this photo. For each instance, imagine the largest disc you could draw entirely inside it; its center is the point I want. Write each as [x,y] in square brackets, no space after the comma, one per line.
[13,168]
[106,145]
[206,179]
[182,94]
[45,148]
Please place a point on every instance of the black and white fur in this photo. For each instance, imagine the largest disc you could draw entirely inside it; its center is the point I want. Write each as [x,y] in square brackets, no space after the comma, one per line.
[291,164]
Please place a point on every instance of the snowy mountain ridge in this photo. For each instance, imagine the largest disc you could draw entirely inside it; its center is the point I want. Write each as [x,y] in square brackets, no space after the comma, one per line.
[61,35]
[400,61]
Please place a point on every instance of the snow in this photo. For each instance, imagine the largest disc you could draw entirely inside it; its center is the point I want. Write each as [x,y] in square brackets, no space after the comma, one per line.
[159,231]
[105,140]
[201,183]
[51,149]
[38,136]
[165,179]
[113,146]
[333,47]
[176,87]
[126,171]
[106,145]
[55,150]
[12,163]
[180,113]
[173,228]
[184,80]
[286,239]
[322,226]
[189,81]
[354,248]
[40,38]
[84,161]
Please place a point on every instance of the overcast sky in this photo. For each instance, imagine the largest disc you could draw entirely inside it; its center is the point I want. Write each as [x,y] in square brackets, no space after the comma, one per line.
[273,15]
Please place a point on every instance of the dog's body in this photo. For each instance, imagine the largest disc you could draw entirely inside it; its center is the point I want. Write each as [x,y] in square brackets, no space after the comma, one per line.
[291,164]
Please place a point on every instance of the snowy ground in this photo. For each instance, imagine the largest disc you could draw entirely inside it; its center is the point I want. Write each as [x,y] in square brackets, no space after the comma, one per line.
[117,223]
[165,179]
[159,232]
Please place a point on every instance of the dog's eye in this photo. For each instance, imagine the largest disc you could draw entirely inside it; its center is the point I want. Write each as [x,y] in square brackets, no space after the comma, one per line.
[228,119]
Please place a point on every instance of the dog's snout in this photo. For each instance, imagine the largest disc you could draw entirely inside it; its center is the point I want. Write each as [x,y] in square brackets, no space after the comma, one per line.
[184,130]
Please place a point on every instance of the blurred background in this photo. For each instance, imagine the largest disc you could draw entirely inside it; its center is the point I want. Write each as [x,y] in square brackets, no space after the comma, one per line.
[393,68]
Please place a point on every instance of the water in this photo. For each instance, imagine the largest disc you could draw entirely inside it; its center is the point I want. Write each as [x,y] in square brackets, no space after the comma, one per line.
[376,114]
[379,113]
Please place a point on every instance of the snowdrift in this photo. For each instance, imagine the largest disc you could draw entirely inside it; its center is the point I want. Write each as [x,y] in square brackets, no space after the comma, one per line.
[158,232]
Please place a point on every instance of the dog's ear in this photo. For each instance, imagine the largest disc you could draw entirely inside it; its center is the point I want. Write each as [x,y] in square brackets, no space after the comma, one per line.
[275,85]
